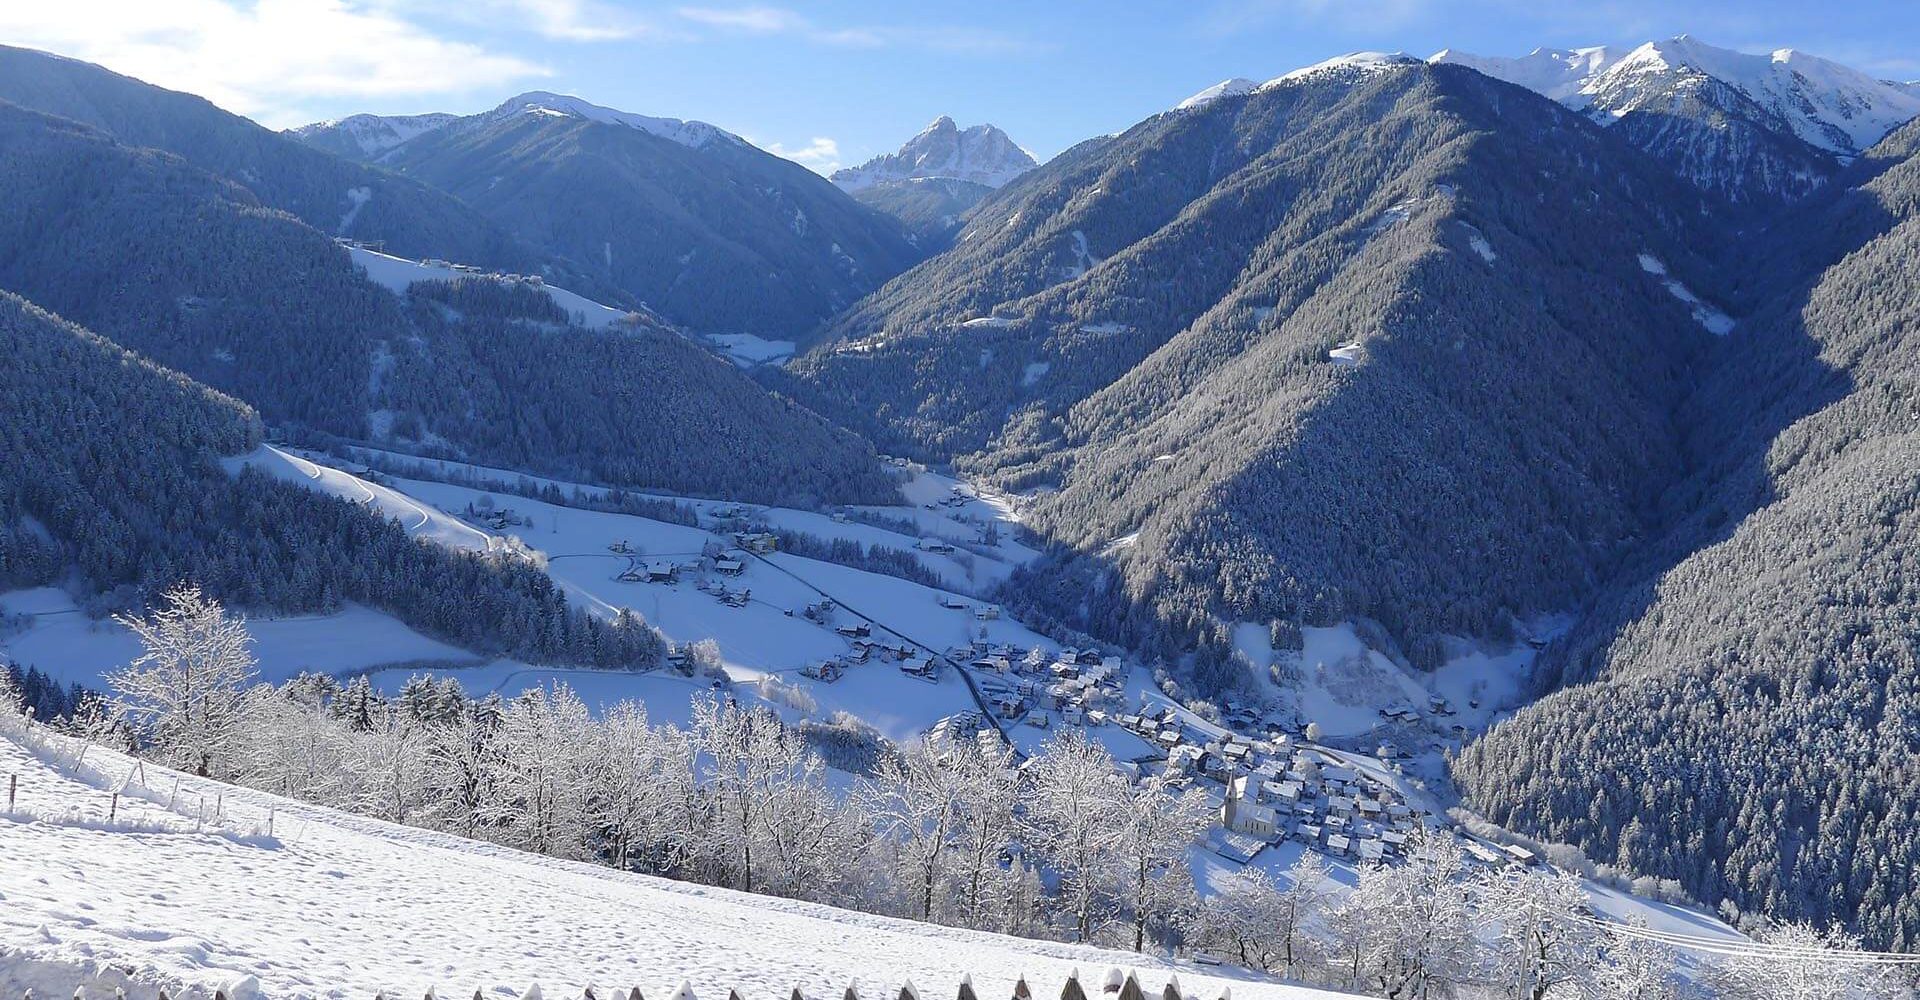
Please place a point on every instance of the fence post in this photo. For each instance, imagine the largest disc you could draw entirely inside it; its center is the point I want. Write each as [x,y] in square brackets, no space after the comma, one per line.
[113,808]
[1021,991]
[1073,991]
[13,785]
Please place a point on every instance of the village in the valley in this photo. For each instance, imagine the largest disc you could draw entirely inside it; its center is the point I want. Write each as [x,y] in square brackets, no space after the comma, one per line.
[1269,781]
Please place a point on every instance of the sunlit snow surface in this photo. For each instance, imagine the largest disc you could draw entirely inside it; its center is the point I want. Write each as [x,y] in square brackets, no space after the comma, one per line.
[339,906]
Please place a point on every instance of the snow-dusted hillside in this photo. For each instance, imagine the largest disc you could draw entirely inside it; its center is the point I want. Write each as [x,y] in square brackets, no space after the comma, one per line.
[980,154]
[333,905]
[398,273]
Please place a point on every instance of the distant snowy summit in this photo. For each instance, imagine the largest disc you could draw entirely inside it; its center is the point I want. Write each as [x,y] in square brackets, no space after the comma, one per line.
[1353,65]
[982,154]
[1830,107]
[363,137]
[369,137]
[686,133]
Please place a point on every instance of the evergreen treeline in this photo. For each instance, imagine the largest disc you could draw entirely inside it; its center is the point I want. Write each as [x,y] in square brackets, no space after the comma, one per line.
[1745,715]
[112,462]
[189,270]
[850,552]
[643,407]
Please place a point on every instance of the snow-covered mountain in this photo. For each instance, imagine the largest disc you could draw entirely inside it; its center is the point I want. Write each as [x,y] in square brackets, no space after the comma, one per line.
[1226,88]
[1742,124]
[686,133]
[369,137]
[364,137]
[1353,65]
[981,154]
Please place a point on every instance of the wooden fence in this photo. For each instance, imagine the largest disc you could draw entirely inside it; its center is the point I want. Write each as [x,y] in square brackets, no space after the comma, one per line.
[1121,988]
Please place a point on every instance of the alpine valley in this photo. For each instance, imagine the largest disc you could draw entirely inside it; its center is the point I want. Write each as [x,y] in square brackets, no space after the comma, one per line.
[1471,503]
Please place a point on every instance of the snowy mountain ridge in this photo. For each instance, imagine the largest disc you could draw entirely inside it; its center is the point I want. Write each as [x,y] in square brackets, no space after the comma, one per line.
[1829,106]
[375,134]
[980,154]
[687,133]
[1355,65]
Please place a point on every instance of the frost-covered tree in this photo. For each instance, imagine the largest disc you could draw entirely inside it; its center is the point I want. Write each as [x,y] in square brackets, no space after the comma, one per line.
[746,760]
[1803,962]
[638,785]
[918,801]
[1154,824]
[538,774]
[983,891]
[1072,804]
[184,691]
[1542,943]
[1419,940]
[1632,968]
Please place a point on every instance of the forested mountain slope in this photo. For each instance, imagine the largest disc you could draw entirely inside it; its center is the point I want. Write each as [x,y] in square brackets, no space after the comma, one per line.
[1374,341]
[109,477]
[190,270]
[1745,714]
[715,234]
[330,194]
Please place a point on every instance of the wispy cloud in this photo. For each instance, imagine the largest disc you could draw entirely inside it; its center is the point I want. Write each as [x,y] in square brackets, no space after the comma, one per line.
[765,20]
[822,155]
[263,58]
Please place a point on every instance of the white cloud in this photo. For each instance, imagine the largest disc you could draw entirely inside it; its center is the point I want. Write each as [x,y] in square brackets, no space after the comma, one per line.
[263,58]
[822,155]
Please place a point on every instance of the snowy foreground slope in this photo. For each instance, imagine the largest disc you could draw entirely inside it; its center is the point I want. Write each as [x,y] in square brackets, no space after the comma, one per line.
[336,905]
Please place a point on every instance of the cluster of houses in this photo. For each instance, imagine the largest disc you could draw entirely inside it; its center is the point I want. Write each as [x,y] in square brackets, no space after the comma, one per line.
[981,612]
[956,497]
[494,518]
[1027,684]
[1313,797]
[963,729]
[1274,789]
[1497,856]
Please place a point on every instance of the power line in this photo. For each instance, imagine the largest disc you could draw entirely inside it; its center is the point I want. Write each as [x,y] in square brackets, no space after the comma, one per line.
[1754,949]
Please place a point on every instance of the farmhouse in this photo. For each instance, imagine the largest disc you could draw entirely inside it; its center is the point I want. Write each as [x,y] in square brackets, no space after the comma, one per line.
[758,542]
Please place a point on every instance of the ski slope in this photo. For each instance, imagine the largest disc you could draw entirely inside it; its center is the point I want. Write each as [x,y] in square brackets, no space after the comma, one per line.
[333,905]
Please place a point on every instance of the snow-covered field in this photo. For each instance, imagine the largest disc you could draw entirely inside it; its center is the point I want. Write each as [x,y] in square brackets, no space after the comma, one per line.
[397,273]
[333,905]
[67,645]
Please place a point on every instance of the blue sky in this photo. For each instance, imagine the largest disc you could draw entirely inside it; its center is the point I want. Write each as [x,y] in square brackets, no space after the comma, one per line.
[838,81]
